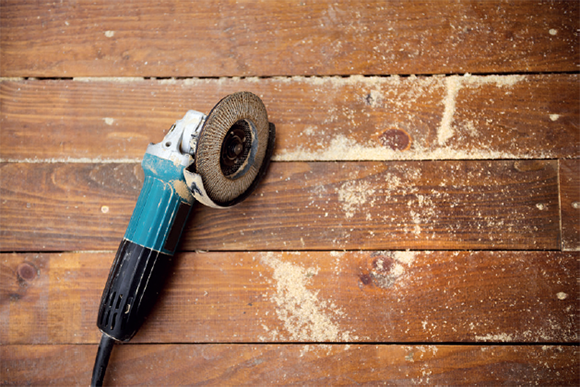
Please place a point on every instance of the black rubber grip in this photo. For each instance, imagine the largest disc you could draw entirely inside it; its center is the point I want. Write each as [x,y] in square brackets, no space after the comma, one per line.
[135,280]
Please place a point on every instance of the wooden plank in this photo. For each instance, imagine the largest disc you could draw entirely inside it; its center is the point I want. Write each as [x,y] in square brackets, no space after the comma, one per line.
[299,206]
[219,365]
[322,118]
[319,297]
[219,38]
[570,203]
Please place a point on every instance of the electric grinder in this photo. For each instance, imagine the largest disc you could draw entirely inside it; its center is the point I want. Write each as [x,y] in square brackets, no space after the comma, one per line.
[217,160]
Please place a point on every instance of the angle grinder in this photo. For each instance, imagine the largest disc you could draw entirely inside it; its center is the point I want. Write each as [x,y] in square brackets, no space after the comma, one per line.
[217,160]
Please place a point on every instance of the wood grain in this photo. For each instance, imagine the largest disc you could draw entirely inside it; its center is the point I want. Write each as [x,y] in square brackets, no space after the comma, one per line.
[570,203]
[223,38]
[299,206]
[419,224]
[219,365]
[319,118]
[309,297]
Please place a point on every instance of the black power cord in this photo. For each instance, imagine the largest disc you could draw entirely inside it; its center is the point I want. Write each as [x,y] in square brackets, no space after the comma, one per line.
[103,355]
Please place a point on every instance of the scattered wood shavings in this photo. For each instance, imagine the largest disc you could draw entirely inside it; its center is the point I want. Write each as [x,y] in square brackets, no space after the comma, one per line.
[342,148]
[74,160]
[390,266]
[502,337]
[304,315]
[453,84]
[561,296]
[396,94]
[445,131]
[353,197]
[109,79]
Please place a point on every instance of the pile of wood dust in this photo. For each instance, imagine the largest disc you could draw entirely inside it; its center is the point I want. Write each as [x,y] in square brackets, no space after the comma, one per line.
[305,317]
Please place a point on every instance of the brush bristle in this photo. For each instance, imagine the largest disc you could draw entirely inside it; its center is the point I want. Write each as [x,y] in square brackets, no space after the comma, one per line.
[242,106]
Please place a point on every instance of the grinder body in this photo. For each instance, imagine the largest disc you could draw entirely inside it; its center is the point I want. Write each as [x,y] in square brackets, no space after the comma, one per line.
[145,253]
[216,160]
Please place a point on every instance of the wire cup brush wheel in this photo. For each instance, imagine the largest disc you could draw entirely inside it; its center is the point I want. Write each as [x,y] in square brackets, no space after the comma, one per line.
[232,146]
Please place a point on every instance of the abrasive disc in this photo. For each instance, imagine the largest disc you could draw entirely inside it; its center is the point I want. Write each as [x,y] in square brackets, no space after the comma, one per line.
[232,145]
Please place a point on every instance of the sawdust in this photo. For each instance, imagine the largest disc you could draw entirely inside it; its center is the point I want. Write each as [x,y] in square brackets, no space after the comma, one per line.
[12,79]
[445,131]
[337,81]
[396,95]
[495,80]
[405,257]
[305,317]
[561,296]
[453,84]
[502,337]
[182,190]
[354,196]
[390,266]
[342,148]
[109,79]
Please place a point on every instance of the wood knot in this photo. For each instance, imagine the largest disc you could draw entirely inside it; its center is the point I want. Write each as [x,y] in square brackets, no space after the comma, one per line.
[382,271]
[365,279]
[382,265]
[396,139]
[26,272]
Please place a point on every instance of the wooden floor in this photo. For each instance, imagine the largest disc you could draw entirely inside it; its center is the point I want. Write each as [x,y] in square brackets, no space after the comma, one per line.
[420,223]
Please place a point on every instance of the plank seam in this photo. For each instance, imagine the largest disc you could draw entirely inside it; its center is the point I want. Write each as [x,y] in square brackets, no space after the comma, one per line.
[345,343]
[266,77]
[291,251]
[560,205]
[97,160]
